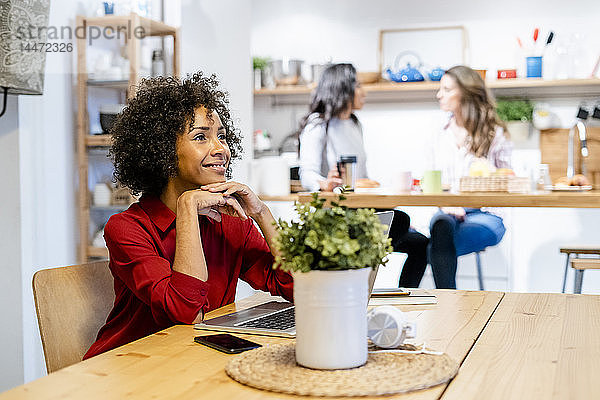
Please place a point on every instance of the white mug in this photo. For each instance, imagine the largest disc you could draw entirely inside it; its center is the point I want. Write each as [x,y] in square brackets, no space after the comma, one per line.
[403,182]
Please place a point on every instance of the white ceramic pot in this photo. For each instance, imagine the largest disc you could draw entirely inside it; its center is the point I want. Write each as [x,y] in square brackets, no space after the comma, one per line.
[519,131]
[331,318]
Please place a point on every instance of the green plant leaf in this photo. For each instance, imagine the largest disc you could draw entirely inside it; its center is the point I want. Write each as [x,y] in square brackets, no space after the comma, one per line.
[514,110]
[331,238]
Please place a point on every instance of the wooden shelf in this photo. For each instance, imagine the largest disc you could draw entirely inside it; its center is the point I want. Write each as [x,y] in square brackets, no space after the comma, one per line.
[118,84]
[97,252]
[426,91]
[103,140]
[123,26]
[151,27]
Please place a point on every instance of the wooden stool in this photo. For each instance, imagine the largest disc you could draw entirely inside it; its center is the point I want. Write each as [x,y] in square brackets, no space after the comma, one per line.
[576,250]
[580,265]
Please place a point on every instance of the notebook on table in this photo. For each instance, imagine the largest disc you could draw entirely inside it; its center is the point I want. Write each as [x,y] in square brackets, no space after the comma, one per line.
[275,318]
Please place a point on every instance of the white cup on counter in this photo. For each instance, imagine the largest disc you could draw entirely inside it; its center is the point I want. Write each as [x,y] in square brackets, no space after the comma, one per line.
[402,182]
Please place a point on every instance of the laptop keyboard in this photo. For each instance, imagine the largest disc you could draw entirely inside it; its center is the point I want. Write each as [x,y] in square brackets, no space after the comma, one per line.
[281,320]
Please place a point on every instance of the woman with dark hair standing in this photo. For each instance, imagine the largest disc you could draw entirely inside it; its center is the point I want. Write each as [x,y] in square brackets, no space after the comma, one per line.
[330,130]
[474,134]
[179,251]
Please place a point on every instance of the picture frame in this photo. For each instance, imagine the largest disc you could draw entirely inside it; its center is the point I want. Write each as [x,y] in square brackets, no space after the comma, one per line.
[442,46]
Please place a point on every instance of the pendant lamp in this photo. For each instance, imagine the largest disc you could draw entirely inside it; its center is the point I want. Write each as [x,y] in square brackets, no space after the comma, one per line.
[23,26]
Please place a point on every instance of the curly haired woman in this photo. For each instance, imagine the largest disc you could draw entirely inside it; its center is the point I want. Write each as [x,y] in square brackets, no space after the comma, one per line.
[179,251]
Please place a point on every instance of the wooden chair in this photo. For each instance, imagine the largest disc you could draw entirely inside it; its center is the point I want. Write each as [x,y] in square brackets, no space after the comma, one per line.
[580,265]
[72,304]
[576,250]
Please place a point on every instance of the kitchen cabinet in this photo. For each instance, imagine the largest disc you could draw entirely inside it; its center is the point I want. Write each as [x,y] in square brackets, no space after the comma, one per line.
[88,142]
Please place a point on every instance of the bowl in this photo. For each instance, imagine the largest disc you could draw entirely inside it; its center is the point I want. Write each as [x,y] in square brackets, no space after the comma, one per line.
[367,77]
[286,74]
[108,115]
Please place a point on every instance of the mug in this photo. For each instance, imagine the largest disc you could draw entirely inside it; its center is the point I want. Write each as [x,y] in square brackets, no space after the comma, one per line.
[403,182]
[432,182]
[347,169]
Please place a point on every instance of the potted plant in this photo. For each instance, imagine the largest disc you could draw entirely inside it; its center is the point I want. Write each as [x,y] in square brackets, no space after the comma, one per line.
[517,114]
[259,65]
[330,253]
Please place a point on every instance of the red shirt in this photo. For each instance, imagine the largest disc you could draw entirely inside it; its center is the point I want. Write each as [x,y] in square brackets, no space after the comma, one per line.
[150,296]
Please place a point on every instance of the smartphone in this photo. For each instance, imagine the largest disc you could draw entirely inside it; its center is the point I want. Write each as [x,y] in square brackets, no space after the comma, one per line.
[226,343]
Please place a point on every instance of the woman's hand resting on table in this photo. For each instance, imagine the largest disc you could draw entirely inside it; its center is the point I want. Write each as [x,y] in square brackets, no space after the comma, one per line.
[249,202]
[458,212]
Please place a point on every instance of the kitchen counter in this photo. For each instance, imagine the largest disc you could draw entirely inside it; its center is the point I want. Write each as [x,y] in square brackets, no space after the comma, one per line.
[587,199]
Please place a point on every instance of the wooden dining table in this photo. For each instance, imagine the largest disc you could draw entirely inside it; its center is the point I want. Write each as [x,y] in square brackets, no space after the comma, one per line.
[508,346]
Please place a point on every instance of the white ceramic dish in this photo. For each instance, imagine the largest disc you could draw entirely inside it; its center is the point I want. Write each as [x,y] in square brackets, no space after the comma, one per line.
[571,188]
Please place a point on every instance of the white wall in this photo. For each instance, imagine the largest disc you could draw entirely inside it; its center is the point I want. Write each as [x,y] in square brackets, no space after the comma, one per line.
[216,39]
[11,307]
[397,134]
[48,181]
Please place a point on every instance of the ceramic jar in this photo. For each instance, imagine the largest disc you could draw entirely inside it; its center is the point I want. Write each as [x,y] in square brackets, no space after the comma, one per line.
[331,318]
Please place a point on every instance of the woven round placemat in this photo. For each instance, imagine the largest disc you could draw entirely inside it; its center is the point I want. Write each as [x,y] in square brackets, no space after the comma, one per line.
[274,368]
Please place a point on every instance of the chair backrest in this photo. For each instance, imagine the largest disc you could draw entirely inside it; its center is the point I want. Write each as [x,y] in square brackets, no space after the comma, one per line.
[72,304]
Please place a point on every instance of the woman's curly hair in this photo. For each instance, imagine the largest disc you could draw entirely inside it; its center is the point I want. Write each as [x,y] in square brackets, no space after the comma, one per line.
[145,133]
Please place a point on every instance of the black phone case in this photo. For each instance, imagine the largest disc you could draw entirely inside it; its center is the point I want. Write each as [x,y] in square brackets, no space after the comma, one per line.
[251,345]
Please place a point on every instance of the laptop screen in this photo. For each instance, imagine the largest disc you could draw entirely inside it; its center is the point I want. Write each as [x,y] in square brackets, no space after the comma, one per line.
[386,218]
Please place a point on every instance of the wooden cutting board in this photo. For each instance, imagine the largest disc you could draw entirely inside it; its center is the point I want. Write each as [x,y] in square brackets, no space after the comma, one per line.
[554,144]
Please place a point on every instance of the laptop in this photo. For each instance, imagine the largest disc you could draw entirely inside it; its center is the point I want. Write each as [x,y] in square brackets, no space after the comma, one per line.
[274,318]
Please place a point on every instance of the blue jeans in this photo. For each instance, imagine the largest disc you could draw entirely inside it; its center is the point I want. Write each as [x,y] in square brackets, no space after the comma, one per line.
[451,238]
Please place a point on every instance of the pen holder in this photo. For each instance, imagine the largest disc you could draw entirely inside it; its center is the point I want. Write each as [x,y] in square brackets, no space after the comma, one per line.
[534,67]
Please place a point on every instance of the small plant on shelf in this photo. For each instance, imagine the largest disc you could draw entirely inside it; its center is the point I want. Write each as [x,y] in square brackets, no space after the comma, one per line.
[260,62]
[514,110]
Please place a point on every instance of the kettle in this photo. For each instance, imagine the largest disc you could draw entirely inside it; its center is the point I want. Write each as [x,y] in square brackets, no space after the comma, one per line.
[435,74]
[408,73]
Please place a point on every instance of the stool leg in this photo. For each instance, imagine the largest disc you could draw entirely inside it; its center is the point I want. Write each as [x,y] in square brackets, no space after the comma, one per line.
[578,281]
[566,271]
[479,275]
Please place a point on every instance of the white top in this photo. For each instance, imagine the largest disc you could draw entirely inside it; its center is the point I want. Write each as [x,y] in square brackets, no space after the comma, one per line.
[320,151]
[454,159]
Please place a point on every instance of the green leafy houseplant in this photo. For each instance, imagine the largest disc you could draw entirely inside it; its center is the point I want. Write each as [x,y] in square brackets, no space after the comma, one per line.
[260,62]
[514,110]
[336,238]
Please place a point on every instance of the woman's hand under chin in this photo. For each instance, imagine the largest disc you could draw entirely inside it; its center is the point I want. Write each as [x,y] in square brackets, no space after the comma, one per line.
[212,205]
[251,204]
